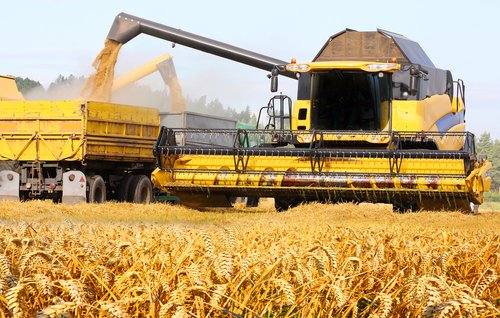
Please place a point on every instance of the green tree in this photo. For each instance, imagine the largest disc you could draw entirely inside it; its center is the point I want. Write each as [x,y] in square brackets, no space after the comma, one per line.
[494,157]
[484,143]
[491,148]
[216,108]
[246,116]
[197,104]
[24,85]
[65,87]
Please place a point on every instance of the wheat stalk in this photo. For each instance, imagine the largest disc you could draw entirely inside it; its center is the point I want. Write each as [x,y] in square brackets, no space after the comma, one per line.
[286,290]
[384,308]
[290,264]
[486,280]
[115,309]
[14,301]
[58,310]
[75,291]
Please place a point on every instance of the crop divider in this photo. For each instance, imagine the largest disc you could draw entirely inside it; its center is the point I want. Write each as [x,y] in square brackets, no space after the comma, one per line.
[241,156]
[317,157]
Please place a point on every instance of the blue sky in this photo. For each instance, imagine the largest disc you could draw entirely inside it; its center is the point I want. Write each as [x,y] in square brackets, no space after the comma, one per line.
[44,38]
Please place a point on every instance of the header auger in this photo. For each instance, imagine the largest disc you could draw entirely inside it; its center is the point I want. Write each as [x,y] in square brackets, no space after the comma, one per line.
[374,120]
[204,175]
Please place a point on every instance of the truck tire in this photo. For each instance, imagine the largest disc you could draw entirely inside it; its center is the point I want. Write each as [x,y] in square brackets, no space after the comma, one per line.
[124,188]
[141,190]
[97,189]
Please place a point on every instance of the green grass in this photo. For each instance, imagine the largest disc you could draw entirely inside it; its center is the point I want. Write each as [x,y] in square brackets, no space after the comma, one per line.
[490,206]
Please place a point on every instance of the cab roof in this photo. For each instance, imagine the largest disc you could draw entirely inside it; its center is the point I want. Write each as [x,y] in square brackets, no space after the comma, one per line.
[374,46]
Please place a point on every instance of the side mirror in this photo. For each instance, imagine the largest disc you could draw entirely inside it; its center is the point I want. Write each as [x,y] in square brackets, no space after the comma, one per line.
[414,75]
[274,80]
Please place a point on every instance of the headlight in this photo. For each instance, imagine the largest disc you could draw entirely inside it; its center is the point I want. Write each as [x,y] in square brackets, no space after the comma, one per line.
[304,138]
[382,67]
[298,67]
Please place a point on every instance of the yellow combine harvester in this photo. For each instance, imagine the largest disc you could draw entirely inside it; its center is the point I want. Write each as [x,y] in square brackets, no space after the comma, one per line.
[374,121]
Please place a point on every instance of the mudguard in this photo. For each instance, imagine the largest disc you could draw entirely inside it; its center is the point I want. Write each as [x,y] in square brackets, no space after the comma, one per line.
[74,187]
[9,185]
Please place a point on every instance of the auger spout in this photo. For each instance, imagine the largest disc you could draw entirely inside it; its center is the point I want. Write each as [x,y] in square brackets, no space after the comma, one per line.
[126,27]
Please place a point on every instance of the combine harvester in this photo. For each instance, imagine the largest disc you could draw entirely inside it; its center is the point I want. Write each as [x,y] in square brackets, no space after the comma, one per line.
[374,121]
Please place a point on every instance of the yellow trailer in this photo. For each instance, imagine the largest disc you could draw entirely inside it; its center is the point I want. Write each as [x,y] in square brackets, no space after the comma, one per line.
[8,89]
[66,150]
[72,150]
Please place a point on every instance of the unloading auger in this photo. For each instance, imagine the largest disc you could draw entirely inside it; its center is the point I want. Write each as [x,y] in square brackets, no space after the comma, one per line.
[374,121]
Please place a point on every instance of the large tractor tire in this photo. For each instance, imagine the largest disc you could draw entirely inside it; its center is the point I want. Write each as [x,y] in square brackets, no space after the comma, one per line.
[97,189]
[141,190]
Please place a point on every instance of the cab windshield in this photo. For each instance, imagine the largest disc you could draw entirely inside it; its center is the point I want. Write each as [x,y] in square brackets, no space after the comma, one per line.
[350,100]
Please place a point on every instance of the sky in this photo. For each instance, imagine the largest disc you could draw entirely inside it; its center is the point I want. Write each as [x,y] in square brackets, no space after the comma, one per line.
[42,39]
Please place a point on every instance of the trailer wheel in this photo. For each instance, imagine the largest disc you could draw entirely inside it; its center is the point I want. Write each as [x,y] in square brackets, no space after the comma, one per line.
[141,190]
[97,189]
[124,188]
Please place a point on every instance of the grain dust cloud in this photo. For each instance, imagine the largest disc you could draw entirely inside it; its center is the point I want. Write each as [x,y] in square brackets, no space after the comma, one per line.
[177,102]
[98,86]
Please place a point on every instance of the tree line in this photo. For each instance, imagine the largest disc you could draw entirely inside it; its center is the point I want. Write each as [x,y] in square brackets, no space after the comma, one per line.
[485,145]
[69,87]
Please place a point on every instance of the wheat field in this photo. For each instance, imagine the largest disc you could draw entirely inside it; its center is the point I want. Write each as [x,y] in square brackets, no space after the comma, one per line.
[161,260]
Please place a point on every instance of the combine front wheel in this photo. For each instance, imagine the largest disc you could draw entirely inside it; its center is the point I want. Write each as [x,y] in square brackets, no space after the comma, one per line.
[283,204]
[469,207]
[474,208]
[401,206]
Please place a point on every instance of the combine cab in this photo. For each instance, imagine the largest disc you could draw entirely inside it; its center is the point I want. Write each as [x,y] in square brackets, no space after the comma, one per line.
[374,121]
